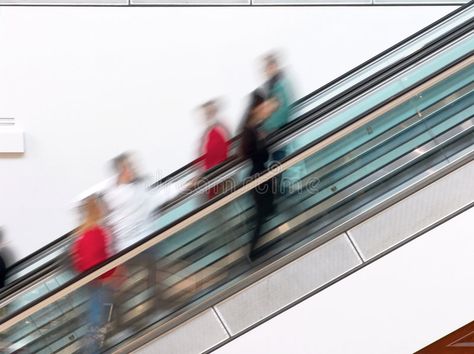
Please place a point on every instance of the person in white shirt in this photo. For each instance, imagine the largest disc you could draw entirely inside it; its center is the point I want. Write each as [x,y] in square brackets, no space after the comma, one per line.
[128,204]
[128,208]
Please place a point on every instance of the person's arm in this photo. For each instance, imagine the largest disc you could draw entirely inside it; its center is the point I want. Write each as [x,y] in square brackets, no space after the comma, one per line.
[271,106]
[281,99]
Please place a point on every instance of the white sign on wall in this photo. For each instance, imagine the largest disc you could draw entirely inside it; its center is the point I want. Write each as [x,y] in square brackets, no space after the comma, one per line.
[11,137]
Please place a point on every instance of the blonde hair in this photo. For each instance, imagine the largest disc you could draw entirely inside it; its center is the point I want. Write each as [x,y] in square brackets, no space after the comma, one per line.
[92,213]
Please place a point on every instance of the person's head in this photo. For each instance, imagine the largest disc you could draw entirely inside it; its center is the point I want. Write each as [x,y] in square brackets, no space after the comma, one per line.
[92,212]
[123,167]
[210,109]
[271,65]
[255,111]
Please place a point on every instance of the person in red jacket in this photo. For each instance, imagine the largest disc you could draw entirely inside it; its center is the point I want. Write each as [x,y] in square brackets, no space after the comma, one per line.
[90,249]
[215,143]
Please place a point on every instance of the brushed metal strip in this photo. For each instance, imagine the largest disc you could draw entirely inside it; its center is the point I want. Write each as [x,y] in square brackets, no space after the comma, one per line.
[288,284]
[414,213]
[194,336]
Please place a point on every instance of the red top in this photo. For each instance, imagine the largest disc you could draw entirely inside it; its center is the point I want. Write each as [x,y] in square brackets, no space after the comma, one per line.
[215,146]
[91,249]
[215,151]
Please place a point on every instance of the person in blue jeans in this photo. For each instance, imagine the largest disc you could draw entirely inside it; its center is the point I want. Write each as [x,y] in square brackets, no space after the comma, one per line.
[91,248]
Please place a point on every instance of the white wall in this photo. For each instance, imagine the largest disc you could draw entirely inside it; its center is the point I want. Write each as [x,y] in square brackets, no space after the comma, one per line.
[398,304]
[88,83]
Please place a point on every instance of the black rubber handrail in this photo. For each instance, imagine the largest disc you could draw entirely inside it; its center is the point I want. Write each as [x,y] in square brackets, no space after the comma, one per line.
[223,195]
[290,127]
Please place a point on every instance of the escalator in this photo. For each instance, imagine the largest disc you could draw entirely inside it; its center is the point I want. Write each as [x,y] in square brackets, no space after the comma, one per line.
[388,128]
[306,109]
[334,93]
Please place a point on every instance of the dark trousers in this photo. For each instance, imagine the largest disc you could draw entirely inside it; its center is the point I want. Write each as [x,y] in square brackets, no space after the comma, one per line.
[276,158]
[278,155]
[3,272]
[264,207]
[259,220]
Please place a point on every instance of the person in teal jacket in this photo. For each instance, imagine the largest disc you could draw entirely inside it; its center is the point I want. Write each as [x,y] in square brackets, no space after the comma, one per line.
[277,110]
[279,99]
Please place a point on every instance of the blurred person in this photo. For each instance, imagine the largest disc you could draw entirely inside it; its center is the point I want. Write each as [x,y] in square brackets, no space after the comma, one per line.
[3,265]
[215,146]
[253,148]
[215,150]
[6,260]
[128,206]
[90,249]
[127,202]
[278,100]
[3,278]
[215,142]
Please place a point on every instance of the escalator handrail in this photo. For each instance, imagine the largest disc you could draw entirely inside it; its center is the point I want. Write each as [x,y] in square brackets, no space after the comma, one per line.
[209,207]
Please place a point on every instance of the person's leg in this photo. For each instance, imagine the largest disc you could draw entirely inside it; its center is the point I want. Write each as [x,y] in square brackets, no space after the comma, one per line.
[95,305]
[107,308]
[222,231]
[149,263]
[278,155]
[276,158]
[144,262]
[227,219]
[119,297]
[259,219]
[95,317]
[3,272]
[3,276]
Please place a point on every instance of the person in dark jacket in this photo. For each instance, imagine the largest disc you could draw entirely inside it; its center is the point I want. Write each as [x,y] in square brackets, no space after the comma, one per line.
[3,266]
[3,272]
[253,148]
